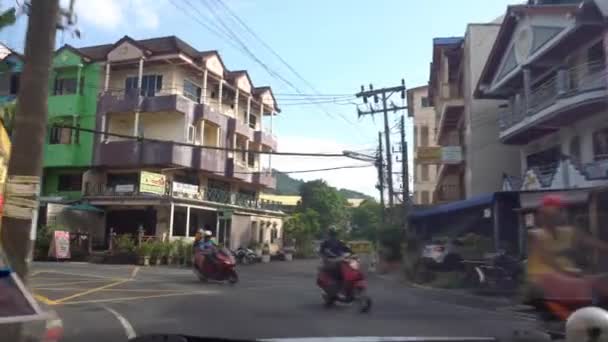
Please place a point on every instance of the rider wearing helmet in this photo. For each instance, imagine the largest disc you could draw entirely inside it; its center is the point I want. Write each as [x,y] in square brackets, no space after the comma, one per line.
[331,250]
[205,244]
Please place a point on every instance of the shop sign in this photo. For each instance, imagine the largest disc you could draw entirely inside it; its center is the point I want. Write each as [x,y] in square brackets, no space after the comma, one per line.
[451,154]
[428,155]
[60,246]
[124,188]
[152,183]
[360,247]
[190,190]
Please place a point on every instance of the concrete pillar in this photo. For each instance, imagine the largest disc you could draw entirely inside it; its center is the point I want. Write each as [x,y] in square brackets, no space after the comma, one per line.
[261,116]
[78,76]
[236,103]
[220,95]
[259,158]
[527,89]
[247,153]
[140,74]
[248,110]
[136,124]
[103,126]
[204,97]
[187,221]
[202,133]
[171,214]
[271,115]
[106,81]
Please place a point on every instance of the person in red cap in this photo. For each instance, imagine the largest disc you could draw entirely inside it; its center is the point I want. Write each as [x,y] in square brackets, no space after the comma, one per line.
[551,267]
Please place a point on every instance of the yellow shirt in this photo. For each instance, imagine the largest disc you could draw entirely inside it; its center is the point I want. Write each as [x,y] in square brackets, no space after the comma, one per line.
[558,246]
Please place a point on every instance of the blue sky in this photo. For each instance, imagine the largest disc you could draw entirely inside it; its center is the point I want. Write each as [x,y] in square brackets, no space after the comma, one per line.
[336,45]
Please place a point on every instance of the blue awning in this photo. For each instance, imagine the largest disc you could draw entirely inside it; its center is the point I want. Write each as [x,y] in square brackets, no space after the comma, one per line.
[478,201]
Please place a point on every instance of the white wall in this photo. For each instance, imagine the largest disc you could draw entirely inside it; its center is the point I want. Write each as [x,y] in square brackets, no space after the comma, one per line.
[423,116]
[162,125]
[486,158]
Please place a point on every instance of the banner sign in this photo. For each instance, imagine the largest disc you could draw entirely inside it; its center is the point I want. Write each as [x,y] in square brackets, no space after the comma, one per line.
[451,154]
[428,155]
[152,183]
[60,246]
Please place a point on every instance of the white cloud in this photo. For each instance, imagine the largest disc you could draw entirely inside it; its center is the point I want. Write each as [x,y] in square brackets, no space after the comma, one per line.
[359,179]
[111,15]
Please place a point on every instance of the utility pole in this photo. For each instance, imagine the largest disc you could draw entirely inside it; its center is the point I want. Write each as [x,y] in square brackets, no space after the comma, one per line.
[380,165]
[25,167]
[386,93]
[405,173]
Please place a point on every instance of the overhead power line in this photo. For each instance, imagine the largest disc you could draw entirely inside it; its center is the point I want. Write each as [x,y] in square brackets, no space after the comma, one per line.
[217,148]
[314,170]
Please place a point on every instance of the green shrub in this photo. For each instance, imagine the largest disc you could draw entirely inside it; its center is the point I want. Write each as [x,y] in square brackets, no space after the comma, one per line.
[144,249]
[157,249]
[168,248]
[179,248]
[125,243]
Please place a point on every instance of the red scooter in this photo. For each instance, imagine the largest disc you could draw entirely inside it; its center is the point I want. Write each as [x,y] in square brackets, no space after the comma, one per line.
[353,288]
[220,267]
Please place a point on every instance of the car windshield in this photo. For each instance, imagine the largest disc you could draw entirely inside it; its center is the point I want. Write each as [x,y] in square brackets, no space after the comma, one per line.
[303,169]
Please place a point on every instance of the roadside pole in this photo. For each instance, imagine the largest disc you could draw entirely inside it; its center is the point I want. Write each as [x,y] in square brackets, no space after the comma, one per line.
[380,165]
[25,167]
[405,174]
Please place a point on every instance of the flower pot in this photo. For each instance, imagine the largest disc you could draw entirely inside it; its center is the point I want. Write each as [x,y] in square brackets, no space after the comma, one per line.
[158,261]
[265,258]
[170,260]
[144,260]
[288,257]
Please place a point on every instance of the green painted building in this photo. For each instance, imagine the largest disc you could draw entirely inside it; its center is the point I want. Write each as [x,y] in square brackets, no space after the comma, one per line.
[74,86]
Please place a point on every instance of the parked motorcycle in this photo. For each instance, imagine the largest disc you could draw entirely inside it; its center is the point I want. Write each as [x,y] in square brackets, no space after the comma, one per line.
[245,256]
[500,272]
[221,268]
[353,288]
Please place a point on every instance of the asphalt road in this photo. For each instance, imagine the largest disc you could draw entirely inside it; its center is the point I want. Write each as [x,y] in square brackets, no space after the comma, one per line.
[280,299]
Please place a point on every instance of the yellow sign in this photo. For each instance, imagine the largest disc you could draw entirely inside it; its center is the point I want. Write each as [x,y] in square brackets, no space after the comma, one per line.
[152,183]
[360,247]
[428,155]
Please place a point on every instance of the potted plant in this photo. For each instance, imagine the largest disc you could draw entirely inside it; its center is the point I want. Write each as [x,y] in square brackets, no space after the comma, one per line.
[169,251]
[144,251]
[180,248]
[188,255]
[157,252]
[266,253]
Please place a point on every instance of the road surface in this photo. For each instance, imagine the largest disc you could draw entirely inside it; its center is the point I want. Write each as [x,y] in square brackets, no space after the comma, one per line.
[280,299]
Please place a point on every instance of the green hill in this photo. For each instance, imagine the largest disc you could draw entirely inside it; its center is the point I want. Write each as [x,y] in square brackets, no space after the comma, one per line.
[287,185]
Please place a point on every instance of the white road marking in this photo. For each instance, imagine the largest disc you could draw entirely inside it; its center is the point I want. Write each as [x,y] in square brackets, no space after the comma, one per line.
[124,322]
[134,272]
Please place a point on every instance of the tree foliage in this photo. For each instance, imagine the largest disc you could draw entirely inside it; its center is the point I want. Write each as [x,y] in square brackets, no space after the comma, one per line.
[303,227]
[326,201]
[365,220]
[7,17]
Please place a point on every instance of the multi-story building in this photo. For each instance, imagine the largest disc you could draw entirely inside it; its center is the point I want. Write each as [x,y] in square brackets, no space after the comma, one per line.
[548,66]
[472,158]
[425,147]
[72,102]
[177,99]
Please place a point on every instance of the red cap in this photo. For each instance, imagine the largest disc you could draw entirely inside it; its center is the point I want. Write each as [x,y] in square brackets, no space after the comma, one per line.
[552,201]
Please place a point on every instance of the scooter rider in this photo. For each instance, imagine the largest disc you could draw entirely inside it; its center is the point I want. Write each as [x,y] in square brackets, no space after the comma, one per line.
[331,251]
[205,246]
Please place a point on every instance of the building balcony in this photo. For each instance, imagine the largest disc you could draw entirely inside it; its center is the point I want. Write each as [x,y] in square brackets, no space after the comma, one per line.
[62,105]
[130,154]
[241,128]
[265,179]
[239,170]
[187,192]
[266,139]
[568,96]
[211,114]
[129,101]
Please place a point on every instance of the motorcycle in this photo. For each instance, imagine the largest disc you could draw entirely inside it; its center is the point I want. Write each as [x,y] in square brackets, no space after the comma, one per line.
[245,256]
[353,288]
[222,268]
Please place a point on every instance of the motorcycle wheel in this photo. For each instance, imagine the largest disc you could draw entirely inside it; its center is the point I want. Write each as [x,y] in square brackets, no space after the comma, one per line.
[328,301]
[233,278]
[364,302]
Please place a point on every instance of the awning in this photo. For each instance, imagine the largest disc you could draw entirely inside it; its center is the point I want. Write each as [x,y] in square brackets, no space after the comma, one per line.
[84,207]
[478,201]
[533,199]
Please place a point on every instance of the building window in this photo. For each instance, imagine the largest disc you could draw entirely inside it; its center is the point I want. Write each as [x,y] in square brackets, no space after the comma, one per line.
[416,197]
[60,135]
[424,197]
[424,136]
[67,86]
[600,144]
[251,159]
[191,133]
[252,121]
[425,173]
[274,235]
[424,102]
[70,182]
[192,91]
[150,84]
[14,84]
[575,148]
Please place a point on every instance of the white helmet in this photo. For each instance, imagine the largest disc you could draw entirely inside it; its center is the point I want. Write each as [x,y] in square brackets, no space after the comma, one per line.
[207,233]
[587,324]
